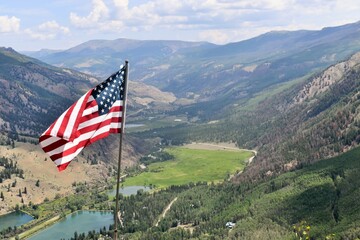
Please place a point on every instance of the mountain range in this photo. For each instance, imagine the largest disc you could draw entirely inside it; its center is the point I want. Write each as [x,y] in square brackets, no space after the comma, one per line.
[205,71]
[35,93]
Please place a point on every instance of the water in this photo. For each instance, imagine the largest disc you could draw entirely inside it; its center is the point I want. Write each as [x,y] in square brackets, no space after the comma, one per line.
[134,125]
[127,191]
[14,219]
[81,222]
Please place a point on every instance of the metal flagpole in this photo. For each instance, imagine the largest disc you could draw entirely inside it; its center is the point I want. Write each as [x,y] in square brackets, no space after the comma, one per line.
[120,150]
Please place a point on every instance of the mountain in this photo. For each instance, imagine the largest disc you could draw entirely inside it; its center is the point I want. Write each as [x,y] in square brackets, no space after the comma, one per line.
[203,71]
[35,94]
[99,57]
[290,125]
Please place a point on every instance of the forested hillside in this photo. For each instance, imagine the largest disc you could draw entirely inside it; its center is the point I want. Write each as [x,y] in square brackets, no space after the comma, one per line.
[34,93]
[320,199]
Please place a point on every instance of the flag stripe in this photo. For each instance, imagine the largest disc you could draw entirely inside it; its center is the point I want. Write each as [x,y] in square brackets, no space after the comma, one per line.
[94,116]
[60,145]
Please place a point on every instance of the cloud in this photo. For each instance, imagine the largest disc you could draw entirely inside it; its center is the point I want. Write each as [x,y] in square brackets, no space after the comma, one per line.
[214,36]
[217,20]
[54,27]
[47,30]
[99,12]
[9,24]
[172,14]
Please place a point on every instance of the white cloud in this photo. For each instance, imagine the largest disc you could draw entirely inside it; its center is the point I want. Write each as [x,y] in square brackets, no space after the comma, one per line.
[38,35]
[47,30]
[9,24]
[214,36]
[218,21]
[53,26]
[99,12]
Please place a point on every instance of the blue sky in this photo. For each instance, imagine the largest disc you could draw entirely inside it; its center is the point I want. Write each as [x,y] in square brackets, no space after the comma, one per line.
[61,24]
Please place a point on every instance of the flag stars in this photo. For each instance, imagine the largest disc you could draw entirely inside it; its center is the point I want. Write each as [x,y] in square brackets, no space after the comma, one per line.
[108,92]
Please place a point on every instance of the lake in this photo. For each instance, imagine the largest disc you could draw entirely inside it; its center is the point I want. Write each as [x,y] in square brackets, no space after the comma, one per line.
[134,125]
[14,219]
[127,191]
[80,221]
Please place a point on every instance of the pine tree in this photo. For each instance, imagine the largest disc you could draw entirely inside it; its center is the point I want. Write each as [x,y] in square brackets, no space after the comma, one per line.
[37,183]
[2,196]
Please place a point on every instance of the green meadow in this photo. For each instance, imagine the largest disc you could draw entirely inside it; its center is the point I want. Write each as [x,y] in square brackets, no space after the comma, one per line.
[191,165]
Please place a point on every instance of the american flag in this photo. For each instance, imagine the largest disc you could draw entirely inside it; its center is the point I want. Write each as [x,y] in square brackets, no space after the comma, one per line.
[94,116]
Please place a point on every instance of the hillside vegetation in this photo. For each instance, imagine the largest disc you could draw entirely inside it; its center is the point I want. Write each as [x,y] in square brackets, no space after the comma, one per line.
[191,165]
[291,125]
[324,195]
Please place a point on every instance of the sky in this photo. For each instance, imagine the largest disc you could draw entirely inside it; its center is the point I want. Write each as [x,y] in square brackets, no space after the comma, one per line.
[62,24]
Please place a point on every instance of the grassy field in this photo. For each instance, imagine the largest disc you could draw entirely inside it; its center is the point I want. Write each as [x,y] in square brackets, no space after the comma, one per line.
[191,165]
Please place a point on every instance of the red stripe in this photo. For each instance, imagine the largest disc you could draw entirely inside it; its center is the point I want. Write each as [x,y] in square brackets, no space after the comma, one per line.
[69,151]
[90,104]
[48,131]
[89,117]
[115,130]
[75,134]
[62,167]
[65,121]
[100,124]
[96,113]
[55,145]
[84,143]
[44,137]
[94,127]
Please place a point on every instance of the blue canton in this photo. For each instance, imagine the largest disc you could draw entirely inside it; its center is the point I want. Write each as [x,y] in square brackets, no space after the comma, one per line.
[107,92]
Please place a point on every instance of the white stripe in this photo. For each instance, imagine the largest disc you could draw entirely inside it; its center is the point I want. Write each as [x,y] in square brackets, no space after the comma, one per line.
[99,119]
[69,145]
[101,130]
[57,125]
[91,110]
[116,125]
[92,121]
[91,98]
[49,141]
[73,116]
[58,122]
[67,158]
[82,137]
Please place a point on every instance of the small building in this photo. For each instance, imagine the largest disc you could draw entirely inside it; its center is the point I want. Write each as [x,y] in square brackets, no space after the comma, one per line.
[230,225]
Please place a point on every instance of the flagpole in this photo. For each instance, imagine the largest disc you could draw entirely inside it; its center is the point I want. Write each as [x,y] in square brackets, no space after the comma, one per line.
[120,151]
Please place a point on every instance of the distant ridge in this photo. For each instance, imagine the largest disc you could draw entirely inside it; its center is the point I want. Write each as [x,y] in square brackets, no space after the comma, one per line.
[196,68]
